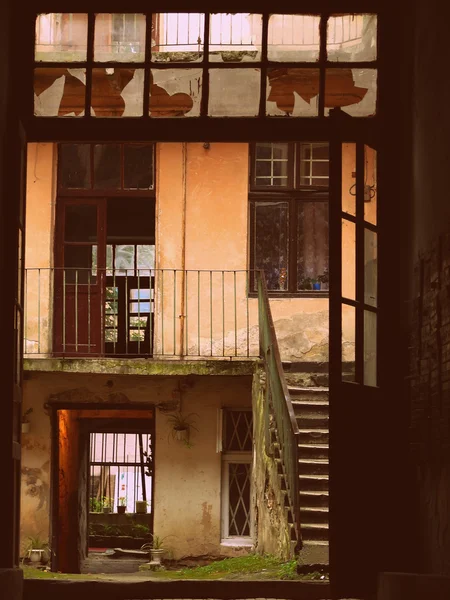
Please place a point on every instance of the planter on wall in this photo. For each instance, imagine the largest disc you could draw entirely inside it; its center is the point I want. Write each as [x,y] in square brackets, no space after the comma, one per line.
[141,506]
[25,427]
[36,555]
[121,509]
[157,554]
[182,435]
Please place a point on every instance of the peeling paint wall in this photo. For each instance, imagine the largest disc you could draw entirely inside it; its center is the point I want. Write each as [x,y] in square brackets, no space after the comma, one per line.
[187,479]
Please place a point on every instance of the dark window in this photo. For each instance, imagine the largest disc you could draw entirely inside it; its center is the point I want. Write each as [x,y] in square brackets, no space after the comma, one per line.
[289,216]
[92,169]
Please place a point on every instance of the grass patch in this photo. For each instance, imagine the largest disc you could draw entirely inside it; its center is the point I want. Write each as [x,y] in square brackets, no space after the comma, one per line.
[33,573]
[251,566]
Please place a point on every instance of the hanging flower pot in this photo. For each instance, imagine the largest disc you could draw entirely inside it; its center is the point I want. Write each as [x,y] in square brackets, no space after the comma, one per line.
[36,555]
[182,435]
[141,506]
[25,427]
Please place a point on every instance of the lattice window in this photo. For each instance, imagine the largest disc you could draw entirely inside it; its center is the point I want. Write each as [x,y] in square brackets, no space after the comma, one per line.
[237,438]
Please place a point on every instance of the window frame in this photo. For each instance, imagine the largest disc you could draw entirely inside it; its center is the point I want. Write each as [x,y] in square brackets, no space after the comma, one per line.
[294,195]
[92,192]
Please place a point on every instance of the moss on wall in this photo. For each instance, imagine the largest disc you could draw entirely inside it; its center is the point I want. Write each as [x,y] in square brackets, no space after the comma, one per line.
[271,525]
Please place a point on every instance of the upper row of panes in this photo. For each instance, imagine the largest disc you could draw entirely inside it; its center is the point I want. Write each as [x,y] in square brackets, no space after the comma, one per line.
[179,37]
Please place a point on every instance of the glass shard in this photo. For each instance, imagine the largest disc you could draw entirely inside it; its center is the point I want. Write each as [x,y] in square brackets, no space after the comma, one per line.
[59,92]
[177,37]
[235,37]
[117,92]
[354,90]
[352,37]
[370,267]
[175,92]
[234,92]
[293,38]
[370,348]
[293,92]
[119,37]
[61,37]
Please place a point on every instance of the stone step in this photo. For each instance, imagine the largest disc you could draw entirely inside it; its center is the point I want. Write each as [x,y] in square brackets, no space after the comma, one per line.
[314,532]
[313,466]
[306,409]
[306,379]
[312,393]
[314,553]
[314,514]
[311,498]
[312,422]
[313,450]
[313,436]
[313,483]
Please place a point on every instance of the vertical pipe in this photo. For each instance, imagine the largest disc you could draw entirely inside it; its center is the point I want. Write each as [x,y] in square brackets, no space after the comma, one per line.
[76,310]
[247,275]
[39,311]
[162,311]
[139,309]
[210,311]
[198,311]
[223,313]
[183,247]
[235,315]
[89,312]
[174,311]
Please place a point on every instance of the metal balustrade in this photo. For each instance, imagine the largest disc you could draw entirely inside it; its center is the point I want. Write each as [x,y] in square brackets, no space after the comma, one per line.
[140,312]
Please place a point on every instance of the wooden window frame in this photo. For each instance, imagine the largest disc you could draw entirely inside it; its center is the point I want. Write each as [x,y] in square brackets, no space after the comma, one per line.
[106,192]
[294,195]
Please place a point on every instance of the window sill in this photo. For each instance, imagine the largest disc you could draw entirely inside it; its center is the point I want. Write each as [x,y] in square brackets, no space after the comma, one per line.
[237,542]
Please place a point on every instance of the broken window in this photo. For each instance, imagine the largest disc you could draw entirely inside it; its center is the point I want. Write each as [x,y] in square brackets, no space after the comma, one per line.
[289,216]
[237,445]
[285,65]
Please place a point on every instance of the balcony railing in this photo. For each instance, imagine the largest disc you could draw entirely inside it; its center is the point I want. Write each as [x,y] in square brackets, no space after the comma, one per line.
[159,312]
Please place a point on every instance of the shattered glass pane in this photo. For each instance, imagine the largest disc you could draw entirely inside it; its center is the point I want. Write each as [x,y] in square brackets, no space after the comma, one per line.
[293,38]
[271,243]
[352,38]
[61,37]
[119,37]
[271,164]
[312,247]
[177,37]
[354,90]
[293,92]
[59,92]
[370,185]
[234,92]
[314,164]
[235,37]
[175,92]
[117,92]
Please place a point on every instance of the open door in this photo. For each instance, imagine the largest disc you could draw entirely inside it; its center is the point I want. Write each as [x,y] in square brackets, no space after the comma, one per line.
[356,425]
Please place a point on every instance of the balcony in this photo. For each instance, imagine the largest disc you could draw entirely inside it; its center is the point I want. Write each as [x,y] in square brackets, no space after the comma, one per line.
[158,313]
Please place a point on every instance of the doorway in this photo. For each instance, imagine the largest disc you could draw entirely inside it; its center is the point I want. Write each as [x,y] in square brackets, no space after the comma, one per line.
[103,497]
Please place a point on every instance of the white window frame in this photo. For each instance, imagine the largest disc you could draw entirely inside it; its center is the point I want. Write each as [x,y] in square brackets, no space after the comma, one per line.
[226,539]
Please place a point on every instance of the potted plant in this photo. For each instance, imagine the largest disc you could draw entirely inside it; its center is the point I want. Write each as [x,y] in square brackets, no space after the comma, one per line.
[155,547]
[316,285]
[324,278]
[121,508]
[306,283]
[181,426]
[37,550]
[25,421]
[107,504]
[141,506]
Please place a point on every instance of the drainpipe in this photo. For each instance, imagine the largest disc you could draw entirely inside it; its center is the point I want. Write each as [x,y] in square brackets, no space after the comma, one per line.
[183,249]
